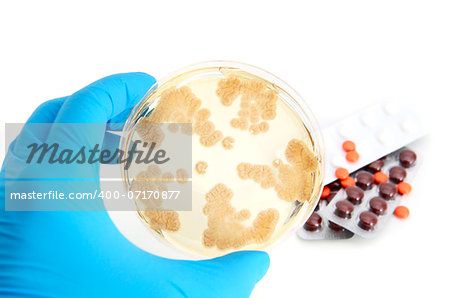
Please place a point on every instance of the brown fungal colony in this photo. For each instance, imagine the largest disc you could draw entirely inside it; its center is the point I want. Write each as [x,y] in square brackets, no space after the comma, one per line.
[225,229]
[151,133]
[261,174]
[153,179]
[200,167]
[178,106]
[227,143]
[182,176]
[209,135]
[257,102]
[294,180]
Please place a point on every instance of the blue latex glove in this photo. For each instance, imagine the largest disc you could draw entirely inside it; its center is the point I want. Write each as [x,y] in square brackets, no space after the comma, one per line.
[82,254]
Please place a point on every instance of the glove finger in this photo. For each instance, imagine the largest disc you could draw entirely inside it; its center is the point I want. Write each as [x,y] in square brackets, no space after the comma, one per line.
[111,143]
[95,105]
[117,123]
[47,111]
[37,126]
[106,98]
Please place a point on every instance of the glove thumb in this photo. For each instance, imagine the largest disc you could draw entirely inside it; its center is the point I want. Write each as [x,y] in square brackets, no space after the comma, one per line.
[244,265]
[233,275]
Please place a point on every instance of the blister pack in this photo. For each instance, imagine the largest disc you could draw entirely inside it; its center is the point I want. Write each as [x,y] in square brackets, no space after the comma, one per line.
[377,131]
[357,145]
[365,207]
[318,227]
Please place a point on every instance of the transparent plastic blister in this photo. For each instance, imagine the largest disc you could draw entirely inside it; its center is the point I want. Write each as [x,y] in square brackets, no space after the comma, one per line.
[365,208]
[326,230]
[318,227]
[377,131]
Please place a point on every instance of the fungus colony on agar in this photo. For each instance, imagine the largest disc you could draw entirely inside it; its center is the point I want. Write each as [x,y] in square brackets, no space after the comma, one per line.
[292,181]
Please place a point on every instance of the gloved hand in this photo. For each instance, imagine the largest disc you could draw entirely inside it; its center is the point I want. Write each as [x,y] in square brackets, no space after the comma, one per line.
[82,253]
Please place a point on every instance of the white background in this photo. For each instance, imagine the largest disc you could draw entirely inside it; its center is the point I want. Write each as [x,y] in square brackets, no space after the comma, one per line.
[339,55]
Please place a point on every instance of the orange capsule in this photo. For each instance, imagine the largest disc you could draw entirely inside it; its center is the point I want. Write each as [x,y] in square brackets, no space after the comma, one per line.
[404,188]
[341,173]
[325,192]
[380,177]
[352,156]
[348,146]
[348,182]
[401,212]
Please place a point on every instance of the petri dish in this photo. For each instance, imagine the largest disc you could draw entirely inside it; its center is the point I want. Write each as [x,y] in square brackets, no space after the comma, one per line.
[255,150]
